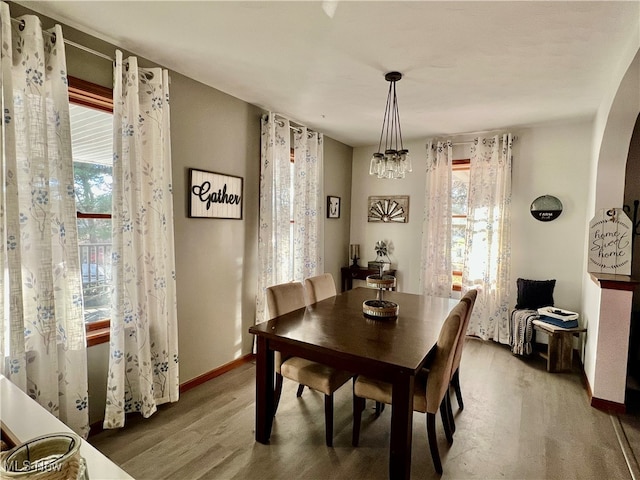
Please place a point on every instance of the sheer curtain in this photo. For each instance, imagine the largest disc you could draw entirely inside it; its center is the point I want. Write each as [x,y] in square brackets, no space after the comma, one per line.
[308,231]
[289,251]
[143,360]
[436,227]
[43,334]
[488,237]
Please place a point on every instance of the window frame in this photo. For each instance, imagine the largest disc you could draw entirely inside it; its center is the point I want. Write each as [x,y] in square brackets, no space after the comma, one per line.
[98,97]
[461,164]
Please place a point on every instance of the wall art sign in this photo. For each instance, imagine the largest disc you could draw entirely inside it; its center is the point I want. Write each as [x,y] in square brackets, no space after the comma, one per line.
[333,207]
[610,233]
[546,208]
[393,209]
[214,195]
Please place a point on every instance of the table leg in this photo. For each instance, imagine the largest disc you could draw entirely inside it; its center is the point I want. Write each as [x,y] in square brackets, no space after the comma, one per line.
[264,390]
[401,427]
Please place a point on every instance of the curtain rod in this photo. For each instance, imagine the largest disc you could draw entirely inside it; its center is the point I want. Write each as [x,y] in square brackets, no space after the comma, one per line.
[471,142]
[291,127]
[68,42]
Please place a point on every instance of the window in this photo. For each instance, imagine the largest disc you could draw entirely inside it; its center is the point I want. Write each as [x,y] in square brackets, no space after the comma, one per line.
[459,209]
[91,114]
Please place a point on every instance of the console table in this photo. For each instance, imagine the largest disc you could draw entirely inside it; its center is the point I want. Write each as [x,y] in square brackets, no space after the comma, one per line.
[359,273]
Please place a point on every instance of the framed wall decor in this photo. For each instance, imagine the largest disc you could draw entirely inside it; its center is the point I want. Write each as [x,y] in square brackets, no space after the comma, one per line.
[389,209]
[333,207]
[214,195]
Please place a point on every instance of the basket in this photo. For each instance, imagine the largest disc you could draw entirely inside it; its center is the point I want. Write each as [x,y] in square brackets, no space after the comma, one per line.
[380,309]
[50,457]
[381,281]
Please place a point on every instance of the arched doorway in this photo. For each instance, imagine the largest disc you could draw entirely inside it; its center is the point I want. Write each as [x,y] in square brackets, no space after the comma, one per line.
[632,208]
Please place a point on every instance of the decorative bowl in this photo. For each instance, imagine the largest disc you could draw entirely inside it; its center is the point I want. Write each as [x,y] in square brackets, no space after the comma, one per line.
[381,281]
[380,309]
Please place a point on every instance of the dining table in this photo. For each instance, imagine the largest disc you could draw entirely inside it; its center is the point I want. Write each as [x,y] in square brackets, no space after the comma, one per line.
[335,332]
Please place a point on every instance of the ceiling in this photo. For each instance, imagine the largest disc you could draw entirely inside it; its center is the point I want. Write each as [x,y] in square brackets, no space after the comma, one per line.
[468,66]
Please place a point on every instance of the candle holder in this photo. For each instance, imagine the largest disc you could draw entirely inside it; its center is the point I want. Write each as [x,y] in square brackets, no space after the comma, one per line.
[354,254]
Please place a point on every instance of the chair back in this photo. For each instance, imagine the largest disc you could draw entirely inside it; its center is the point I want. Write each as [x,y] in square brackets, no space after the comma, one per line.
[320,287]
[285,298]
[470,299]
[440,368]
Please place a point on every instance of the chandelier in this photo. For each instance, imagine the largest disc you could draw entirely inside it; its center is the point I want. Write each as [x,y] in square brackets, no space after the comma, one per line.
[395,161]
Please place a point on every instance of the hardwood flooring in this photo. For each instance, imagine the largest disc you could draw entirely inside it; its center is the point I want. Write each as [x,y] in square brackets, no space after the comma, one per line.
[519,422]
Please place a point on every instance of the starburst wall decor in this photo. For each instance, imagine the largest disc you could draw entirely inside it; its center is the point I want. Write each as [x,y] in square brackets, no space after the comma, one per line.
[394,209]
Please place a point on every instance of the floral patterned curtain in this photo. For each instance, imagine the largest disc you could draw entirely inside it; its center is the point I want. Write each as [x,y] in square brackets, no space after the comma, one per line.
[288,251]
[436,227]
[42,344]
[488,237]
[143,360]
[308,231]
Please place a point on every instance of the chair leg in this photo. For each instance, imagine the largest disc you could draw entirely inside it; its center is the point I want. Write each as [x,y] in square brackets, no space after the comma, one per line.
[452,422]
[379,408]
[328,419]
[300,389]
[276,393]
[455,380]
[358,408]
[444,414]
[433,442]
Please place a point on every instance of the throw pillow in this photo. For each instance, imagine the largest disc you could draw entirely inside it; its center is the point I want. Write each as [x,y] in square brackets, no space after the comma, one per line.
[533,294]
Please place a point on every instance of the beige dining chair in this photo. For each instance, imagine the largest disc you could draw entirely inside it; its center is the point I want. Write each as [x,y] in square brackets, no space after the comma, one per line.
[446,409]
[319,288]
[285,298]
[429,391]
[470,299]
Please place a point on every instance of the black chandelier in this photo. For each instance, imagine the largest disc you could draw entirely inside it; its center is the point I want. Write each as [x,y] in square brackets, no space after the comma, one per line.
[395,161]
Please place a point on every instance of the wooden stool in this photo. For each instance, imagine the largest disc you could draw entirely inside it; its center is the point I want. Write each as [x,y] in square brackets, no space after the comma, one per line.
[560,351]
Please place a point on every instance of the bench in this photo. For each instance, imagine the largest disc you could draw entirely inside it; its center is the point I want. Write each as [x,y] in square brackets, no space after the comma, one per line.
[559,353]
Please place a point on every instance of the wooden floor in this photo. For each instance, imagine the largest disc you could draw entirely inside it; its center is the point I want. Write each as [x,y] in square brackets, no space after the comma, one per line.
[519,422]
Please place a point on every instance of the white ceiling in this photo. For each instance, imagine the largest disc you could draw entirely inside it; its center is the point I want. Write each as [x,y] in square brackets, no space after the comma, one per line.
[468,66]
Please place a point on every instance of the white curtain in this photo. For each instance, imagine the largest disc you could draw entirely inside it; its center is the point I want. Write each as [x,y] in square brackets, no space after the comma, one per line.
[308,225]
[488,237]
[290,237]
[436,227]
[43,333]
[143,360]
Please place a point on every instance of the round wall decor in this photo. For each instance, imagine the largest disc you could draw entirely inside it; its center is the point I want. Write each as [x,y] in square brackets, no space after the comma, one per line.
[546,208]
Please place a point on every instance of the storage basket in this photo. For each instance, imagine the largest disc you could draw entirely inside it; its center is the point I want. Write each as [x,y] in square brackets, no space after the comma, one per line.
[50,457]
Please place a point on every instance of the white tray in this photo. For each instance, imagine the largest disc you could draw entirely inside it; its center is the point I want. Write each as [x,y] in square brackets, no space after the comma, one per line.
[559,313]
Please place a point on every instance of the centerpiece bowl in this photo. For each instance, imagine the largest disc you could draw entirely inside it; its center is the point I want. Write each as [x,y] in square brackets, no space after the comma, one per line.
[380,309]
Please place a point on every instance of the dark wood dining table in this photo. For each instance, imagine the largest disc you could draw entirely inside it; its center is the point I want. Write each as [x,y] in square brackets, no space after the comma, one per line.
[335,332]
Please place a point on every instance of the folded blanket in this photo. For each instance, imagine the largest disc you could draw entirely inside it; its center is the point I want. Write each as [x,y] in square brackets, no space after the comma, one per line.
[558,323]
[521,331]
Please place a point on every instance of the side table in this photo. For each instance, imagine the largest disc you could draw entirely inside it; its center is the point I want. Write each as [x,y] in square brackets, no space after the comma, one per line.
[348,274]
[559,354]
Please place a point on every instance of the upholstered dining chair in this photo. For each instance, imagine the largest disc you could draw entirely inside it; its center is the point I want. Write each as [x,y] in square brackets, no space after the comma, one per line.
[429,391]
[319,287]
[285,298]
[316,289]
[445,409]
[470,298]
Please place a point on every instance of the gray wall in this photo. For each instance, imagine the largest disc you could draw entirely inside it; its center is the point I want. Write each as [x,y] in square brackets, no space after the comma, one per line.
[337,183]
